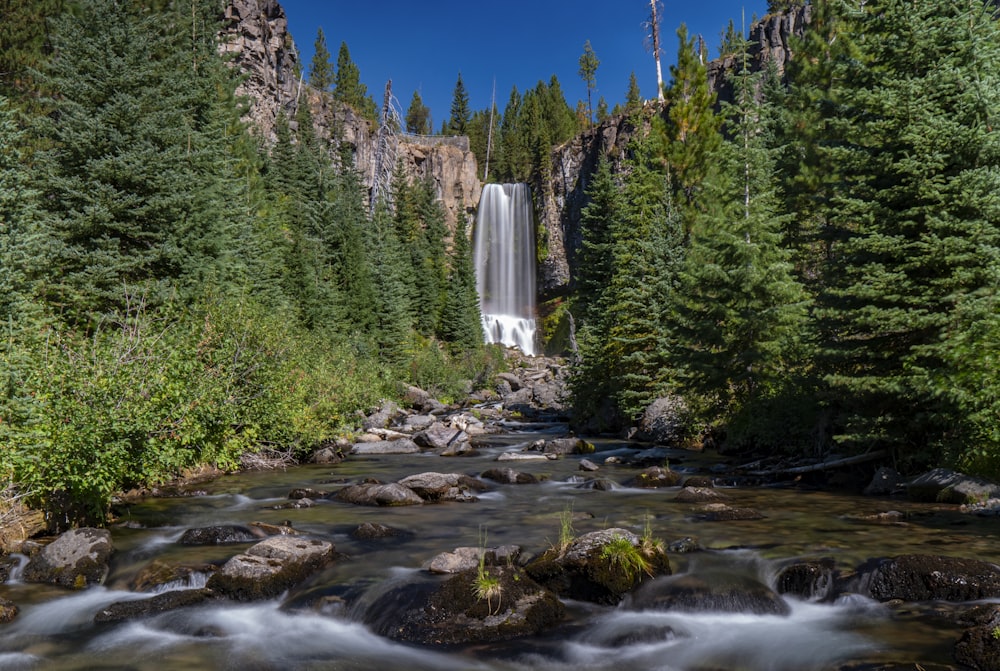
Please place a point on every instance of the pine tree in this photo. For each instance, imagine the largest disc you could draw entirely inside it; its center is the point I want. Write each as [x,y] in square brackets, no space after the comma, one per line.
[633,97]
[24,45]
[516,154]
[559,118]
[418,116]
[347,86]
[588,73]
[598,219]
[460,114]
[918,204]
[461,321]
[321,74]
[17,222]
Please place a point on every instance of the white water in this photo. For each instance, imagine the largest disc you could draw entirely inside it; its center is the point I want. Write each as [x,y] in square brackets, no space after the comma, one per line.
[505,265]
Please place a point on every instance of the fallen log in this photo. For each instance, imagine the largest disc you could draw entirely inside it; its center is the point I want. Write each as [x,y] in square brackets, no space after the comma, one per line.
[824,465]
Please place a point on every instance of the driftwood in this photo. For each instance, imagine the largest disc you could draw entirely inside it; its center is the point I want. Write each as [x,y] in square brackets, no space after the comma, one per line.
[825,465]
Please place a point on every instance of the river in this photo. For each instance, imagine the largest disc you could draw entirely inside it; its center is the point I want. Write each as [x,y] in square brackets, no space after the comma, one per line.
[317,626]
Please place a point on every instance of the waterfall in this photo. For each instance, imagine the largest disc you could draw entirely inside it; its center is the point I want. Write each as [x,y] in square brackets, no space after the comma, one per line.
[505,265]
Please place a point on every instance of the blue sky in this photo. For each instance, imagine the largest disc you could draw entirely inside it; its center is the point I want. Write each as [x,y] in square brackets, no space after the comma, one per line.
[424,45]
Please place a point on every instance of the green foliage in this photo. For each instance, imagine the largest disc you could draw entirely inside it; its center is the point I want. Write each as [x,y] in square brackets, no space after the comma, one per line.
[623,555]
[633,96]
[588,73]
[418,116]
[321,72]
[347,86]
[461,320]
[458,123]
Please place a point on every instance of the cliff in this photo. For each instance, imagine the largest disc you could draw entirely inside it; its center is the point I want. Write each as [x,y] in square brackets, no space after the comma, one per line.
[255,38]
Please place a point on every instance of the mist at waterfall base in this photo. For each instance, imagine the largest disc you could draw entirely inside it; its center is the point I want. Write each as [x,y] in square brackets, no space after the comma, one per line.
[504,250]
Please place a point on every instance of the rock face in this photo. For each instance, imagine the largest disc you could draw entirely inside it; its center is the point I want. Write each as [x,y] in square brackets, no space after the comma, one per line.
[255,37]
[77,559]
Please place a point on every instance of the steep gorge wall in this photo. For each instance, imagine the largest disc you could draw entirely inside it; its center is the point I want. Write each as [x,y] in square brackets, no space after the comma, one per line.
[255,38]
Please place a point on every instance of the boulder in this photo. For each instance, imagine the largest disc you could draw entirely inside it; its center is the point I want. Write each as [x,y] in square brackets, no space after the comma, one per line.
[979,646]
[421,401]
[369,494]
[945,486]
[502,604]
[508,476]
[466,558]
[720,512]
[525,456]
[307,493]
[223,534]
[381,418]
[927,578]
[439,436]
[699,481]
[398,446]
[568,446]
[698,495]
[77,559]
[414,423]
[601,566]
[373,530]
[328,455]
[588,465]
[666,421]
[655,476]
[443,486]
[458,449]
[727,593]
[270,567]
[885,482]
[8,611]
[599,484]
[811,580]
[134,609]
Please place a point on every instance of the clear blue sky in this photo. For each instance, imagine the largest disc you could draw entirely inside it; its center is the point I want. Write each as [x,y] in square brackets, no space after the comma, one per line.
[424,45]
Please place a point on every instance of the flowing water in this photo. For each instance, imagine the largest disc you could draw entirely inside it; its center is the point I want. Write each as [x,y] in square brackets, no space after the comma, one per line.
[317,626]
[504,256]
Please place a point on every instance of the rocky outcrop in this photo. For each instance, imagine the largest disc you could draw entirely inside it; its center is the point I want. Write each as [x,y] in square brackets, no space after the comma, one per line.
[270,567]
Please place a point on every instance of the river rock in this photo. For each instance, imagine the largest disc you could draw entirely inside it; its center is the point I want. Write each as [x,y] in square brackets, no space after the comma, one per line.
[270,567]
[439,436]
[452,613]
[598,484]
[811,580]
[586,571]
[307,493]
[414,423]
[698,495]
[588,465]
[928,578]
[655,476]
[666,421]
[568,446]
[703,481]
[77,559]
[421,401]
[381,418]
[158,573]
[8,611]
[398,446]
[720,512]
[525,456]
[508,476]
[885,482]
[979,646]
[223,534]
[373,530]
[371,494]
[443,486]
[727,593]
[328,455]
[465,558]
[945,486]
[134,609]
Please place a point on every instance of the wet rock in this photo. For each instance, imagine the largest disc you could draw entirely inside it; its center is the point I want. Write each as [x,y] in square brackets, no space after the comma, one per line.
[928,578]
[979,646]
[513,381]
[596,567]
[890,517]
[457,612]
[945,486]
[224,534]
[698,495]
[684,545]
[298,504]
[414,423]
[77,559]
[703,481]
[886,481]
[654,477]
[135,609]
[374,530]
[399,446]
[307,493]
[563,446]
[508,476]
[727,593]
[265,529]
[720,512]
[987,508]
[392,494]
[466,558]
[588,465]
[458,449]
[159,573]
[439,436]
[8,611]
[525,456]
[328,455]
[599,484]
[270,567]
[443,486]
[812,580]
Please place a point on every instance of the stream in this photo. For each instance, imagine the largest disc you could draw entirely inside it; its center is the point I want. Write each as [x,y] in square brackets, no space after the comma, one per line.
[317,625]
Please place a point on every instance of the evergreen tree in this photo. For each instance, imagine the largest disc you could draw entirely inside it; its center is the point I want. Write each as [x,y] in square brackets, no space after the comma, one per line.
[321,74]
[391,332]
[480,141]
[24,44]
[692,129]
[418,116]
[603,211]
[461,321]
[460,114]
[602,109]
[918,203]
[588,73]
[633,97]
[559,118]
[515,163]
[347,86]
[17,222]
